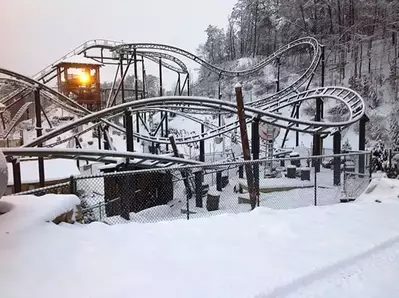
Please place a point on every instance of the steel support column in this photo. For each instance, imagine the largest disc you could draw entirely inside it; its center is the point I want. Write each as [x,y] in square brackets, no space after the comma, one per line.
[45,116]
[144,82]
[99,136]
[39,134]
[255,153]
[202,145]
[297,132]
[188,84]
[220,97]
[317,141]
[337,160]
[128,121]
[178,83]
[16,172]
[136,91]
[278,74]
[362,142]
[245,146]
[161,94]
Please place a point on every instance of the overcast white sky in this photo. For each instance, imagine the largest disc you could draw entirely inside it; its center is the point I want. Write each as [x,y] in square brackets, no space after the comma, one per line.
[35,33]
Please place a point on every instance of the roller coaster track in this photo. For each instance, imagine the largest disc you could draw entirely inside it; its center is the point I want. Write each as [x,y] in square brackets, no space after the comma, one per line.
[129,47]
[16,118]
[348,97]
[265,107]
[109,44]
[149,160]
[91,127]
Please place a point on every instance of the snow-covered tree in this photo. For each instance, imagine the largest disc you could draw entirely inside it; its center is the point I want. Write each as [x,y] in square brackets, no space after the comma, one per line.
[394,132]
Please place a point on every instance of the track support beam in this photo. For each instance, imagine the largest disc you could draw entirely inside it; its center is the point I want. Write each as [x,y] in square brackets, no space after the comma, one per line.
[136,91]
[362,142]
[337,160]
[39,134]
[255,153]
[16,172]
[245,146]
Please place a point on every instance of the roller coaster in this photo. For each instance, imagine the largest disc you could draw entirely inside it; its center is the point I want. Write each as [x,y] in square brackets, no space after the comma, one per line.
[271,109]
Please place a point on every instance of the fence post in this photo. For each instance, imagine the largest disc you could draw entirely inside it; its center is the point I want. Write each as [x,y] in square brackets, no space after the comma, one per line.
[241,176]
[198,188]
[72,185]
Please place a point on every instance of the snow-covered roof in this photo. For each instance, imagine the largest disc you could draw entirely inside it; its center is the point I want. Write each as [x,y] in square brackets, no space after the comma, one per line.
[80,60]
[54,169]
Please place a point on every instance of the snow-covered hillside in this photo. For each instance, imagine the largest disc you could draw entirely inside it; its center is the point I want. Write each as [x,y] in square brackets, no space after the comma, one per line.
[375,87]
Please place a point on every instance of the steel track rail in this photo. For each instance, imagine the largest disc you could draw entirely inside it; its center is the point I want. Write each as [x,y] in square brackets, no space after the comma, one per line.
[138,158]
[312,127]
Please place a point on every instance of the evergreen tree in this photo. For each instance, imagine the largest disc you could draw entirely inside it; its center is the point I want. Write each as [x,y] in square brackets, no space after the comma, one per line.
[394,132]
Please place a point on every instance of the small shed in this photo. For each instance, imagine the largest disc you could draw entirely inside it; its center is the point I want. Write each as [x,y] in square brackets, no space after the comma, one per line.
[134,192]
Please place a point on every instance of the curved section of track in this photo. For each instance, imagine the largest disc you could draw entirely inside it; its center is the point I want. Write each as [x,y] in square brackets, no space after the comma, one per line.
[350,98]
[128,47]
[138,158]
[266,108]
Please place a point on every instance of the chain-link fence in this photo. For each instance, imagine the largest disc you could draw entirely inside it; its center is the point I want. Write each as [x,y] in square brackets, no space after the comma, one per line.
[61,188]
[199,191]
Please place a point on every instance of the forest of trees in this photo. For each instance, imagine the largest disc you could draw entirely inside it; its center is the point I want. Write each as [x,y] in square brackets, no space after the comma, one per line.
[259,27]
[360,36]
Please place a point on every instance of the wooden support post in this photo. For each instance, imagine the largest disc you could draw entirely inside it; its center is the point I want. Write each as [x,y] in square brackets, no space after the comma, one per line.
[245,145]
[255,153]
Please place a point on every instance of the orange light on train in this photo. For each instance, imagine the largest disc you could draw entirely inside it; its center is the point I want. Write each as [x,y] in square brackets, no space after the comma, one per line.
[84,78]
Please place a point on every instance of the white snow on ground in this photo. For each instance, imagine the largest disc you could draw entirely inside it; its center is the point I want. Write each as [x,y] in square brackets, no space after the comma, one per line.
[22,212]
[343,250]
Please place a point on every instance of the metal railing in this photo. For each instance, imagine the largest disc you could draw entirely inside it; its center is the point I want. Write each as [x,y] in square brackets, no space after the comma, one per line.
[195,191]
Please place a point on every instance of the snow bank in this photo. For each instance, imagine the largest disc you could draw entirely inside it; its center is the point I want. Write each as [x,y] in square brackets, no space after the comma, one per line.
[21,212]
[382,189]
[343,250]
